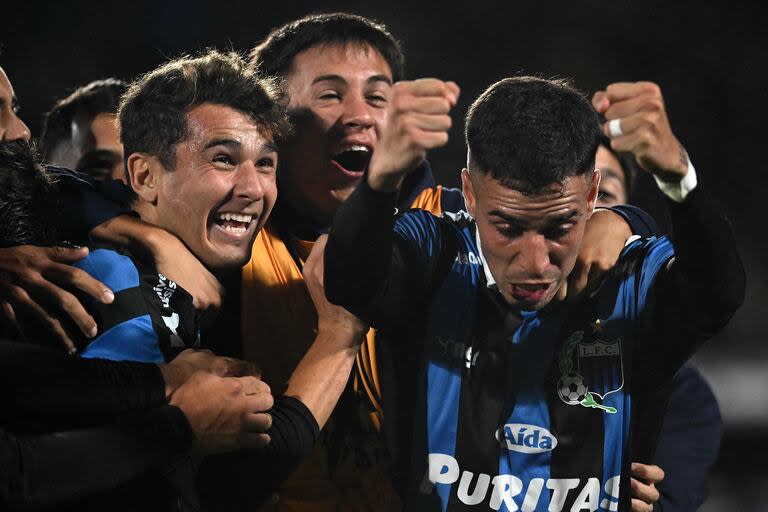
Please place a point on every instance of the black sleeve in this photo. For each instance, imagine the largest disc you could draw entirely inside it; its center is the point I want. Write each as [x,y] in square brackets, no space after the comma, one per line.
[87,204]
[382,277]
[43,384]
[689,443]
[700,292]
[50,468]
[227,481]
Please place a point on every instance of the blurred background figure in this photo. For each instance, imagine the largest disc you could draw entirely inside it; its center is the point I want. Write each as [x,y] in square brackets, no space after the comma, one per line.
[80,131]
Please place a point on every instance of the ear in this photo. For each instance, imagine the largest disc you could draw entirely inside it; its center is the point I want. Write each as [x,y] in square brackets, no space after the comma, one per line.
[143,175]
[594,189]
[468,191]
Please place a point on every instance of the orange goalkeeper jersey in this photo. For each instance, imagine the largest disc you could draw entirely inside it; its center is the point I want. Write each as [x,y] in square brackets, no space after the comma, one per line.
[348,468]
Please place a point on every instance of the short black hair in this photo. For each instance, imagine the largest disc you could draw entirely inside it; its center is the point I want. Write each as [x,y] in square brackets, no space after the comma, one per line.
[90,100]
[28,208]
[152,114]
[274,55]
[530,132]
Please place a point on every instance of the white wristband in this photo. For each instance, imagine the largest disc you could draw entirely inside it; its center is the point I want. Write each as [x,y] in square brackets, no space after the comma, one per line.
[679,190]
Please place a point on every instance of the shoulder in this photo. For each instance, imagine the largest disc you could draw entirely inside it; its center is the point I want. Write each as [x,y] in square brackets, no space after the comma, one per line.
[112,266]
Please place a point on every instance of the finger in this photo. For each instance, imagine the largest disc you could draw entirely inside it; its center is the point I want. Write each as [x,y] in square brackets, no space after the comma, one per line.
[595,280]
[647,493]
[249,440]
[644,103]
[257,422]
[641,506]
[51,294]
[253,386]
[21,300]
[428,87]
[429,123]
[67,254]
[562,292]
[647,472]
[423,104]
[73,277]
[636,143]
[600,101]
[453,92]
[8,312]
[577,281]
[258,403]
[624,90]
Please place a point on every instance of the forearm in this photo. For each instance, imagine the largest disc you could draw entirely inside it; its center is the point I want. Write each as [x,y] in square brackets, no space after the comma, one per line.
[360,244]
[227,481]
[47,469]
[128,231]
[324,370]
[39,383]
[708,275]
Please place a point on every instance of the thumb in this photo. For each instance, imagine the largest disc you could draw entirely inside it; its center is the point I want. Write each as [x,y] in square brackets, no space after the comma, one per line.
[601,102]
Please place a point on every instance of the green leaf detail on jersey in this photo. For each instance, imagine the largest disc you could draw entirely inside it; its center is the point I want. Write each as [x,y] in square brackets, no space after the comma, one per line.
[589,401]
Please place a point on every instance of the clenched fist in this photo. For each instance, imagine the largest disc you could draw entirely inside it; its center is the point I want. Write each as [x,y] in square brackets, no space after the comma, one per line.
[418,119]
[637,123]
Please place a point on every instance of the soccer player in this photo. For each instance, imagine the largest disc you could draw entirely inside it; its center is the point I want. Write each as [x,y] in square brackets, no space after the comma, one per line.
[80,131]
[519,402]
[690,436]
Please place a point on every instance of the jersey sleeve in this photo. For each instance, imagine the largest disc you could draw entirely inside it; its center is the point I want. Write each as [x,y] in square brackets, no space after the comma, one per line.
[380,267]
[125,326]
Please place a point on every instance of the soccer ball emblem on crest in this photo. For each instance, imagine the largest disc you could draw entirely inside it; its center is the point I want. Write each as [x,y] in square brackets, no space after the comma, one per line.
[571,388]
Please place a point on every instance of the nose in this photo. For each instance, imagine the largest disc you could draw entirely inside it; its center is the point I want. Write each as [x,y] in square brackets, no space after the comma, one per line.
[16,129]
[357,112]
[250,183]
[533,257]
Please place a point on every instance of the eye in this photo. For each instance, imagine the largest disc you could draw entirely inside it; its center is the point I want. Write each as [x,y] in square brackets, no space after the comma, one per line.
[224,159]
[605,196]
[560,231]
[508,230]
[267,161]
[378,100]
[330,95]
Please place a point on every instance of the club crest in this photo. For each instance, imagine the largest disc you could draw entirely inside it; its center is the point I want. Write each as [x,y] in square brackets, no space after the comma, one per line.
[590,369]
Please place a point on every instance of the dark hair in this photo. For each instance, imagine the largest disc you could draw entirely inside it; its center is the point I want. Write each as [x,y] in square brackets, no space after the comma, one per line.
[628,165]
[528,132]
[98,97]
[27,197]
[274,55]
[153,111]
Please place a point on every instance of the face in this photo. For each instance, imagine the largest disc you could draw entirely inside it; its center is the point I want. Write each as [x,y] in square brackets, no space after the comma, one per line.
[613,186]
[96,147]
[530,242]
[11,127]
[338,98]
[221,190]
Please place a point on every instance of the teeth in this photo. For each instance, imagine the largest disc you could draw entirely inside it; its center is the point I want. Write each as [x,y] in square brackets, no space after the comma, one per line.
[233,229]
[236,216]
[354,147]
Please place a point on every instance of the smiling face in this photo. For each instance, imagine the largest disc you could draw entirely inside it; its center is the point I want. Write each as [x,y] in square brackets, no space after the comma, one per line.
[220,191]
[11,127]
[530,242]
[338,97]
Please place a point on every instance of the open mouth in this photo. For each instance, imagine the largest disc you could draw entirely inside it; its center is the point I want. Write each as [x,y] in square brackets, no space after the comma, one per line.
[530,292]
[235,223]
[353,160]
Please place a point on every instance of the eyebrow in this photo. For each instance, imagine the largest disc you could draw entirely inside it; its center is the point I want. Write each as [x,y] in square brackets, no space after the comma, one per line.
[568,217]
[268,146]
[230,143]
[610,171]
[338,78]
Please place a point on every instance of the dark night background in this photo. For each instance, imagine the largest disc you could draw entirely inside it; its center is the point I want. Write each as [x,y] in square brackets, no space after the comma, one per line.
[708,58]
